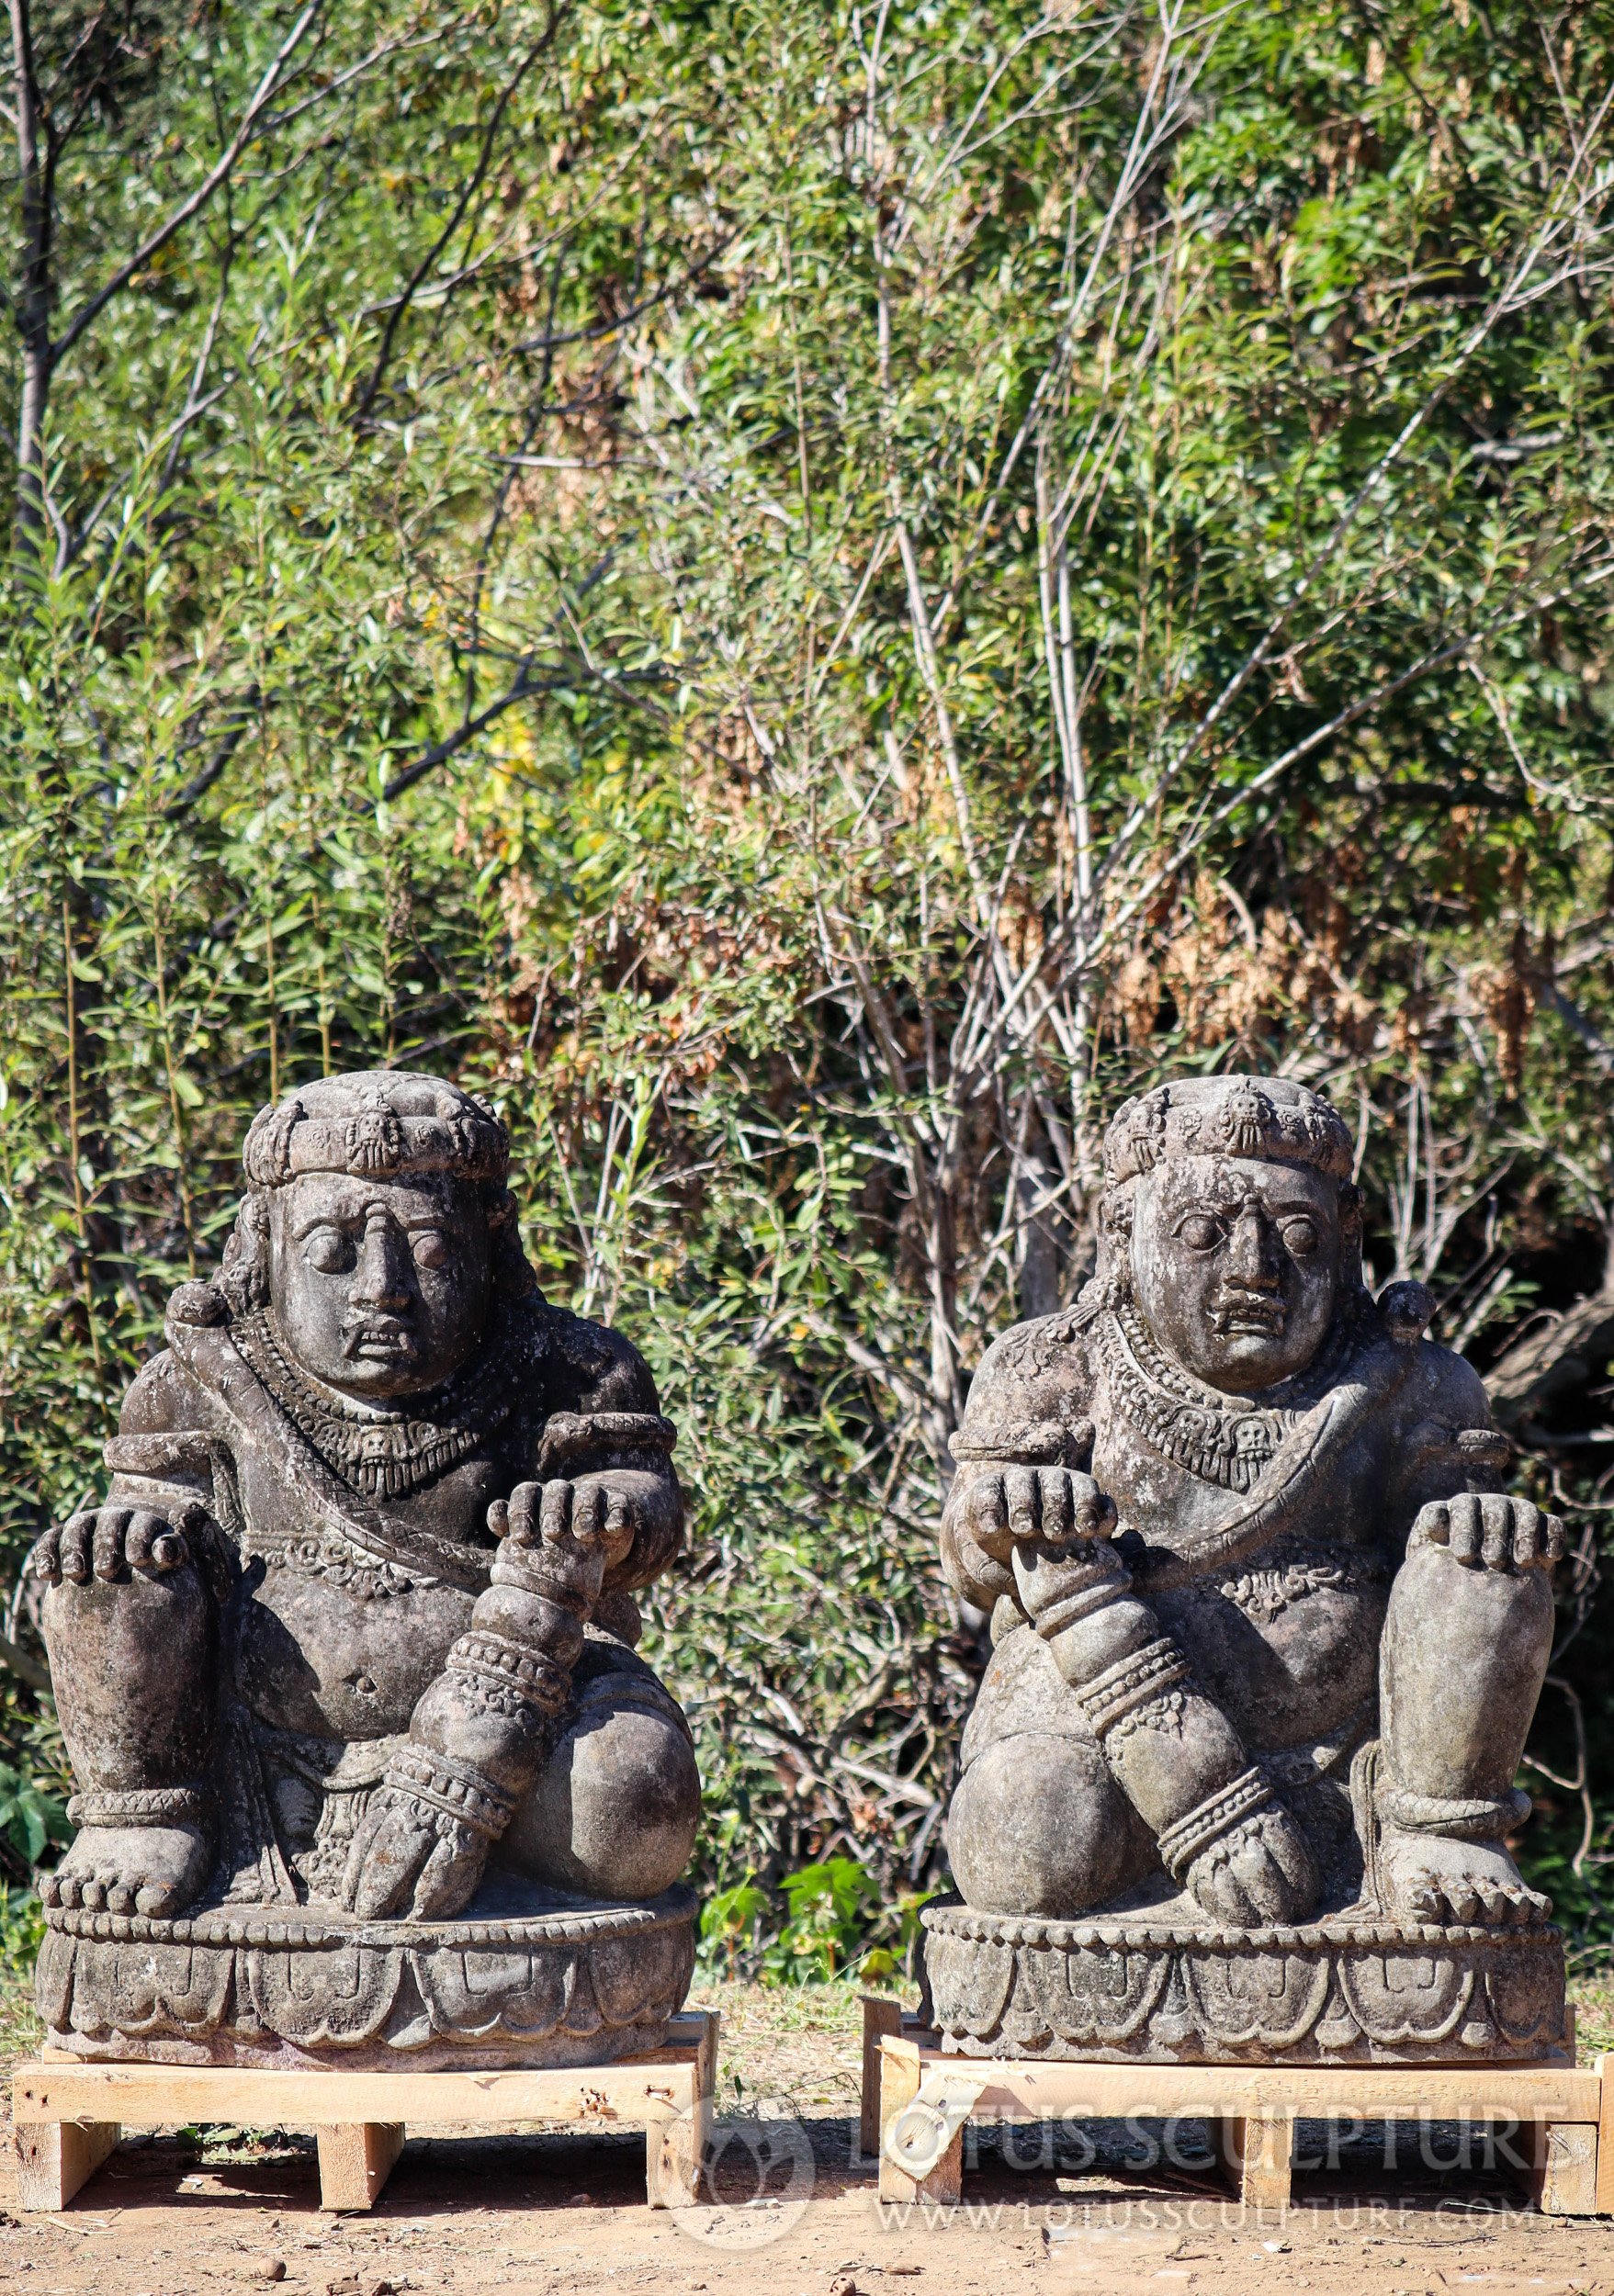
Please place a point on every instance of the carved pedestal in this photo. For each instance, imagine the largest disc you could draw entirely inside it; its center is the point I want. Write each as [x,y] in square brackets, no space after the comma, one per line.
[1342,1990]
[563,1984]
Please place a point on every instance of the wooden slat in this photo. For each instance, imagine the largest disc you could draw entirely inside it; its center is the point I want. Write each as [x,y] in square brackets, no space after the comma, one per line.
[1568,2179]
[158,2095]
[1559,2170]
[1606,2138]
[1257,2153]
[54,2158]
[880,2018]
[899,2085]
[677,2145]
[356,2162]
[1043,2090]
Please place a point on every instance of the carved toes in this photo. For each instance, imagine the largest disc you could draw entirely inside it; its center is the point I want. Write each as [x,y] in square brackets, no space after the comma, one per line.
[1425,1900]
[154,1897]
[1470,1901]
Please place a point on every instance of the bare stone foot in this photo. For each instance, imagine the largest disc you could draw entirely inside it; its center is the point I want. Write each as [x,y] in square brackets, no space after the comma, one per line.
[130,1869]
[1431,1878]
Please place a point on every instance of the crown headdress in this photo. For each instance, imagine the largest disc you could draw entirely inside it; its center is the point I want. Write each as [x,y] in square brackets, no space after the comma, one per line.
[376,1125]
[1267,1117]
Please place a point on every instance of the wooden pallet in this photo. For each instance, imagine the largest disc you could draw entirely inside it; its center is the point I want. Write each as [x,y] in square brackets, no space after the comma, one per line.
[67,2113]
[917,2102]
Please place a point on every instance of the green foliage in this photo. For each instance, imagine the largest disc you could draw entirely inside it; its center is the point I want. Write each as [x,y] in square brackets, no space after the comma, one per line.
[867,584]
[835,1919]
[32,1821]
[22,1925]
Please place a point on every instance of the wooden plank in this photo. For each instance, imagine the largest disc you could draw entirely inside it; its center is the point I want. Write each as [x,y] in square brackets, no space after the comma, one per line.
[1043,2090]
[899,2085]
[921,2143]
[158,2095]
[55,2157]
[1564,2114]
[880,2018]
[1256,2151]
[355,2161]
[678,2146]
[1560,2171]
[1604,2069]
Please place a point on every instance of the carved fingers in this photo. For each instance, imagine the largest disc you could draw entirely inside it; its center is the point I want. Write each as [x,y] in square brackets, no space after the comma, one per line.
[448,1879]
[409,1858]
[603,1510]
[1489,1531]
[1011,1504]
[595,1516]
[106,1542]
[1262,1872]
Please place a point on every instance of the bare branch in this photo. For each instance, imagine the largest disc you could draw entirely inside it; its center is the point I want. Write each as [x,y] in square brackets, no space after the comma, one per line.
[251,124]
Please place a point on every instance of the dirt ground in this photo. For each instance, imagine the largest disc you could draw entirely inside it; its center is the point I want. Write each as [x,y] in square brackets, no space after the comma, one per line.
[189,2210]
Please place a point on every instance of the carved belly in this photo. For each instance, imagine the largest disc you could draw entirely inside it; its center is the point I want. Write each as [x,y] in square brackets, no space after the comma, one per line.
[1289,1648]
[313,1655]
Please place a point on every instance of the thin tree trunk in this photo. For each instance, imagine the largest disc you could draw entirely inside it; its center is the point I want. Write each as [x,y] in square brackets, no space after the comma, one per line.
[33,302]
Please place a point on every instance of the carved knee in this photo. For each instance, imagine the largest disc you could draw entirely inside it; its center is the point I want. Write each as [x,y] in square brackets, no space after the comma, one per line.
[1038,1825]
[134,1666]
[615,1812]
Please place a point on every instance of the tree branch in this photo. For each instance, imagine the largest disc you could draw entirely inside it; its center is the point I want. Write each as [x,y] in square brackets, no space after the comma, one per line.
[251,119]
[1555,1360]
[468,190]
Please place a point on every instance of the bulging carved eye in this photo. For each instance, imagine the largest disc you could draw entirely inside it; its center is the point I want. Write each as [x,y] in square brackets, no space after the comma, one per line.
[1202,1231]
[1300,1235]
[430,1247]
[332,1252]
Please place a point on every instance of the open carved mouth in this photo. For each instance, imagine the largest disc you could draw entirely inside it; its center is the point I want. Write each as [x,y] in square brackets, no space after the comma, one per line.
[1249,1318]
[389,1342]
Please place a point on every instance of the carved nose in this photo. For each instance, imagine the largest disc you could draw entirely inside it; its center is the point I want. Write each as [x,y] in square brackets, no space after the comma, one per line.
[1251,1259]
[379,1280]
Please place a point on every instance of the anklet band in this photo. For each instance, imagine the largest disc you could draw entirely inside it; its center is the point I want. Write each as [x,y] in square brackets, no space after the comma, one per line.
[142,1806]
[1482,1818]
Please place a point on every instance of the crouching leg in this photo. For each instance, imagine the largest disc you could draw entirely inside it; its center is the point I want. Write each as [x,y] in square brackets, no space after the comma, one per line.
[613,1813]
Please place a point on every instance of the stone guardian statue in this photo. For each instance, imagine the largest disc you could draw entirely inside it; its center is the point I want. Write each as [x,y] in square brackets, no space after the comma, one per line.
[365,1759]
[1268,1632]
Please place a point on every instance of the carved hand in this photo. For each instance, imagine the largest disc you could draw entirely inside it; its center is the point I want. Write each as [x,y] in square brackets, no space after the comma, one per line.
[596,1517]
[410,1858]
[409,1855]
[1051,1503]
[1260,1873]
[1487,1530]
[106,1542]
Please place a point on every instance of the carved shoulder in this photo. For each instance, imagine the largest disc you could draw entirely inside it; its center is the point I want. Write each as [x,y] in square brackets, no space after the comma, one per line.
[1443,1386]
[1444,1441]
[1035,1375]
[163,1399]
[593,1368]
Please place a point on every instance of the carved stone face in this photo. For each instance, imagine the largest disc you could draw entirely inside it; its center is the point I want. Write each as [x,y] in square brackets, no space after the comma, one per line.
[1235,1266]
[380,1287]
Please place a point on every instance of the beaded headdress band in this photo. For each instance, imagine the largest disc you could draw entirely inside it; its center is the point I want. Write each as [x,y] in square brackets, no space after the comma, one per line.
[375,1127]
[1270,1119]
